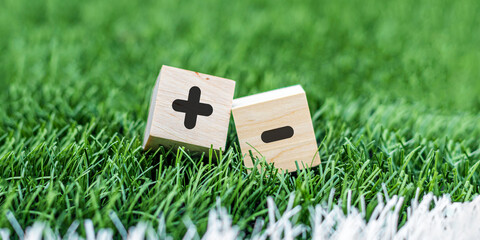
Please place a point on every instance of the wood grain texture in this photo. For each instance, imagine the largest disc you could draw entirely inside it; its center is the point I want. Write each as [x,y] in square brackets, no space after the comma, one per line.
[274,110]
[165,126]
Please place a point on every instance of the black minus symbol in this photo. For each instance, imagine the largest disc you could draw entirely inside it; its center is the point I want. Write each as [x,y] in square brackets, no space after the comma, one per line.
[277,134]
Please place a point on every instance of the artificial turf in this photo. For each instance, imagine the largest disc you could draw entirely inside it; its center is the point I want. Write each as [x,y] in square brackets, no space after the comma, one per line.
[392,88]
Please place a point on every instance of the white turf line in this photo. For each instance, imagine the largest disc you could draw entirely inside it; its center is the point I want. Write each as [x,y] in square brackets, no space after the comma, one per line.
[433,218]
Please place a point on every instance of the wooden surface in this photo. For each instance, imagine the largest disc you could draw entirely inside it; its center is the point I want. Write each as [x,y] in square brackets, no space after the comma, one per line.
[165,126]
[278,109]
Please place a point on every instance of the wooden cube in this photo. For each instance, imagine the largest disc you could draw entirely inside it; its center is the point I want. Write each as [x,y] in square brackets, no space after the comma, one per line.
[189,109]
[276,125]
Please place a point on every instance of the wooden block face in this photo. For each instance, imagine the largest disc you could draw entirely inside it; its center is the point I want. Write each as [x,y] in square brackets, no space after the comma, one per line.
[189,109]
[278,126]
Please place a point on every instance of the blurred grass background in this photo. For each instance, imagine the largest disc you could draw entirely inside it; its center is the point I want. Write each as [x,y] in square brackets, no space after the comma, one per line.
[385,80]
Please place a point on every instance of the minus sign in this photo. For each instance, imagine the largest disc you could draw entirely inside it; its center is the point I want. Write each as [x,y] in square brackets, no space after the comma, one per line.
[277,134]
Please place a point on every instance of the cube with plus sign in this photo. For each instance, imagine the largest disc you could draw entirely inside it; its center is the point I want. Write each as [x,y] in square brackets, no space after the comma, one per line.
[189,109]
[276,125]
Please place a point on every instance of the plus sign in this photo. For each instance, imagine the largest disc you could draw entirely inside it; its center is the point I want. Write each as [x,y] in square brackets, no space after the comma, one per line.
[192,107]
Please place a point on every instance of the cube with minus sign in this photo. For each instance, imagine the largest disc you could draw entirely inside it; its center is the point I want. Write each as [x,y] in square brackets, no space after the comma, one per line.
[276,125]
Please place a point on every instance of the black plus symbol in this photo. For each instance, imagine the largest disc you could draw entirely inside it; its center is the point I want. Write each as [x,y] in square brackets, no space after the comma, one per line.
[192,107]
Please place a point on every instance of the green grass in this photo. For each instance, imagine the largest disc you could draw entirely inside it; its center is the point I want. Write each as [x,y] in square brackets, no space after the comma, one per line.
[392,86]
